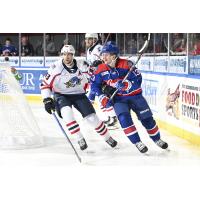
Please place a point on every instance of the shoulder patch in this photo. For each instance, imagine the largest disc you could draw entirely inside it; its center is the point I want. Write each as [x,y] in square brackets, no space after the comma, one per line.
[101,68]
[104,73]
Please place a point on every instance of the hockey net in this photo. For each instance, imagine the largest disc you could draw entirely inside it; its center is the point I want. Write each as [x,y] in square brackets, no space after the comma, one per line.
[18,128]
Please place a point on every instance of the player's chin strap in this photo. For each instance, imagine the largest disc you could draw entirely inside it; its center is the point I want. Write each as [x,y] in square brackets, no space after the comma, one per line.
[133,65]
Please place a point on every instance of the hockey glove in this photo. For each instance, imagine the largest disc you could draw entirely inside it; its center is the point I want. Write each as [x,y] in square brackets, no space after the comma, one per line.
[108,90]
[49,105]
[105,102]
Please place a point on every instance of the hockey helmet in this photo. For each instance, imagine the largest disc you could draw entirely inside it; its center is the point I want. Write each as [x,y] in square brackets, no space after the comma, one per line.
[91,35]
[110,47]
[68,49]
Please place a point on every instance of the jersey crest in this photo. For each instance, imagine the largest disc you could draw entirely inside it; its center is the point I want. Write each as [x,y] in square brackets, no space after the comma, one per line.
[73,82]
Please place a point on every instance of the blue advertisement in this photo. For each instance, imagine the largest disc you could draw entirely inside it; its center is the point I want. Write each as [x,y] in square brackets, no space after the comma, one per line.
[194,64]
[31,80]
[150,89]
[160,64]
[177,64]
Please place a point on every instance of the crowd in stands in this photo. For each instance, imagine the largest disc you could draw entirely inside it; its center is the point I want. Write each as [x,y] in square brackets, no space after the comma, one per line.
[8,49]
[129,44]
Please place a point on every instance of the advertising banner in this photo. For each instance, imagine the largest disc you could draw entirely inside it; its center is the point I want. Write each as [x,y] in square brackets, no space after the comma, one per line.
[194,64]
[32,62]
[13,60]
[177,64]
[50,60]
[31,80]
[160,64]
[174,99]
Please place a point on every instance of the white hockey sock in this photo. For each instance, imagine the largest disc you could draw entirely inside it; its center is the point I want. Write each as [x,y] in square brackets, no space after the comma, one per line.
[71,123]
[98,125]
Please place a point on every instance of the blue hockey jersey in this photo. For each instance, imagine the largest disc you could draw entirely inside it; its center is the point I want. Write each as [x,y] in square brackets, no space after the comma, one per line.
[110,76]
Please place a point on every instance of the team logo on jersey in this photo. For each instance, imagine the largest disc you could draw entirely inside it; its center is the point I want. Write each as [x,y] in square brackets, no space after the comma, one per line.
[73,82]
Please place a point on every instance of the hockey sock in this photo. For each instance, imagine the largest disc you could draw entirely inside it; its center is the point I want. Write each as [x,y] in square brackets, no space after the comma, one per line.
[152,128]
[98,125]
[71,123]
[74,129]
[128,127]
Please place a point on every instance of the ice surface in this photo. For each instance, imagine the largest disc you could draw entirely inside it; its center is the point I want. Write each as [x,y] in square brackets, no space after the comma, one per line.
[57,151]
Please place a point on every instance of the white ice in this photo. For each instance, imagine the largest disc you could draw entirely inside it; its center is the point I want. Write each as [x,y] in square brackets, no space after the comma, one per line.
[57,151]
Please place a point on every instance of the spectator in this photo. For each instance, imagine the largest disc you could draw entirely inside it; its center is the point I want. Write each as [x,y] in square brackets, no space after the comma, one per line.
[178,42]
[26,47]
[39,49]
[50,46]
[50,49]
[0,49]
[82,49]
[8,49]
[158,43]
[132,46]
[196,47]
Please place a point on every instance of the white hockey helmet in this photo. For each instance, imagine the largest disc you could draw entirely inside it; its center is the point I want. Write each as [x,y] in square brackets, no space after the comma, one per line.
[91,35]
[68,49]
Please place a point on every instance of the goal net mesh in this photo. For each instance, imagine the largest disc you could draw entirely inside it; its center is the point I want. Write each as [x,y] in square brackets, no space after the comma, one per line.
[18,128]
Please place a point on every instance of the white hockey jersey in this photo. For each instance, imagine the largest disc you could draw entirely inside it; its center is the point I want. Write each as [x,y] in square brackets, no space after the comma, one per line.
[60,80]
[93,53]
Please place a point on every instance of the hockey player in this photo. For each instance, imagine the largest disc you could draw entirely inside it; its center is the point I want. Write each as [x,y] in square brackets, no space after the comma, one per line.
[93,60]
[67,83]
[129,96]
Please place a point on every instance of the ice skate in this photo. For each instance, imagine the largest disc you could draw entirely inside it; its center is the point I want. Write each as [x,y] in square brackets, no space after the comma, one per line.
[162,144]
[111,142]
[111,123]
[141,147]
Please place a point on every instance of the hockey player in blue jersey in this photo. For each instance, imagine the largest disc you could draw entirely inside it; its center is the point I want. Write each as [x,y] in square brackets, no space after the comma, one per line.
[93,59]
[107,78]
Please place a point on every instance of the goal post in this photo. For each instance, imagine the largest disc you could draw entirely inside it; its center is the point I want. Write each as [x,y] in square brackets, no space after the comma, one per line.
[18,127]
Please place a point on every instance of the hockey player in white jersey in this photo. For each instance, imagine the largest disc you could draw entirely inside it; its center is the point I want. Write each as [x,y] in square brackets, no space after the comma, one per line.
[67,83]
[93,60]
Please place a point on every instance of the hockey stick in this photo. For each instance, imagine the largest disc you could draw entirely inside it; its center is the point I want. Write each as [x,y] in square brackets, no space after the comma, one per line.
[62,129]
[140,53]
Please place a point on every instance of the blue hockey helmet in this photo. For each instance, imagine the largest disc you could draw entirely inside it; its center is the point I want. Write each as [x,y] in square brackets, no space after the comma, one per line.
[110,47]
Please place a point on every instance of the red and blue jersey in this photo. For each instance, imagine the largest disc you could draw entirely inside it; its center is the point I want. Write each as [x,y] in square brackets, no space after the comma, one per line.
[110,76]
